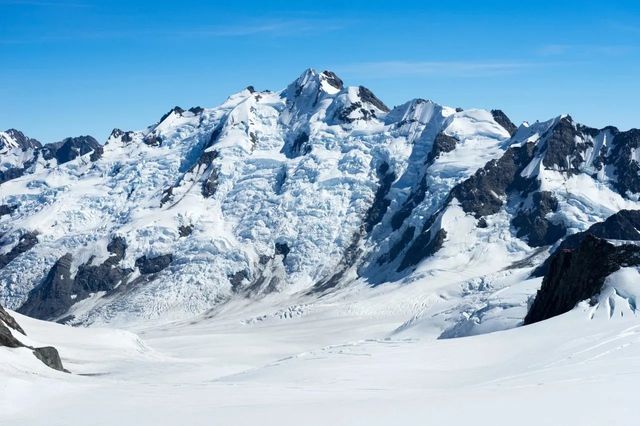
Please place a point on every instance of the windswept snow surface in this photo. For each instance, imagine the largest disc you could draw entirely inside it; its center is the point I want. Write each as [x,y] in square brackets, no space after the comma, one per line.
[342,361]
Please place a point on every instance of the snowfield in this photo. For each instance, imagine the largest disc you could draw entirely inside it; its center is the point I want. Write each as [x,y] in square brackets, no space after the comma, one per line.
[340,361]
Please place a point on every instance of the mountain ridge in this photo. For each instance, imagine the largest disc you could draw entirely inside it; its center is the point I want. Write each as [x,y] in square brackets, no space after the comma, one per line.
[303,191]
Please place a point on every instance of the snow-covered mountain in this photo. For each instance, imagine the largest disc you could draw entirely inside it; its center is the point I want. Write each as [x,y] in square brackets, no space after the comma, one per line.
[310,191]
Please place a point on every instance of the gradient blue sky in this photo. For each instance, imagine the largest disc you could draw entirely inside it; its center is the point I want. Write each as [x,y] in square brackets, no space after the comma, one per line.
[73,67]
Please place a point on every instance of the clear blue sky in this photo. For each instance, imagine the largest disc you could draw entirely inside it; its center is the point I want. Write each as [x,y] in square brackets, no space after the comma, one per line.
[73,67]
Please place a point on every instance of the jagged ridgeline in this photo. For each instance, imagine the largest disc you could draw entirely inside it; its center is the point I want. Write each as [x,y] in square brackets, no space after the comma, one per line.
[304,191]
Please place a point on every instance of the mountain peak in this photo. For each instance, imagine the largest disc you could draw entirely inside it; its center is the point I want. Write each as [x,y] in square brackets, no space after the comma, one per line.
[311,82]
[12,137]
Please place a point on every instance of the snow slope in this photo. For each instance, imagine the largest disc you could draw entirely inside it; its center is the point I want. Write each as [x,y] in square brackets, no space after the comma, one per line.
[279,192]
[334,364]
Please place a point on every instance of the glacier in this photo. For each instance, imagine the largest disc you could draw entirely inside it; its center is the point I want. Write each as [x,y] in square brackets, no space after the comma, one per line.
[313,255]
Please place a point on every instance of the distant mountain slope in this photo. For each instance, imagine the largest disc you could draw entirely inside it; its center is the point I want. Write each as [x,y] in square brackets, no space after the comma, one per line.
[304,191]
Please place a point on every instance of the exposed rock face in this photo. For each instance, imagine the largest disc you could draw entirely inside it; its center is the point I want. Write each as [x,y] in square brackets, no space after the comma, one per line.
[361,105]
[443,143]
[532,223]
[59,290]
[6,210]
[502,119]
[17,154]
[282,249]
[117,247]
[578,274]
[50,357]
[624,225]
[621,156]
[210,184]
[424,245]
[23,142]
[367,96]
[380,202]
[176,109]
[185,230]
[9,321]
[54,295]
[7,339]
[152,265]
[48,354]
[11,173]
[25,243]
[481,194]
[562,147]
[105,277]
[71,148]
[22,153]
[333,79]
[124,136]
[411,203]
[298,146]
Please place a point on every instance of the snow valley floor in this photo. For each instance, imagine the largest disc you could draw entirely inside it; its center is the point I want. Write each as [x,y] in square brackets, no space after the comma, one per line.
[343,360]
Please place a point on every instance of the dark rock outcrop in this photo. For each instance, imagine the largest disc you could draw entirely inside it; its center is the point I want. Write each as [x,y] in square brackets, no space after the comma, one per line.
[627,170]
[104,277]
[367,96]
[47,354]
[24,143]
[6,324]
[443,143]
[124,136]
[415,198]
[152,139]
[117,247]
[17,139]
[426,244]
[176,109]
[532,223]
[367,107]
[623,225]
[6,210]
[53,296]
[185,230]
[71,148]
[578,274]
[238,279]
[10,321]
[502,119]
[563,150]
[49,357]
[25,243]
[380,204]
[210,183]
[152,265]
[12,173]
[482,193]
[331,78]
[58,291]
[282,249]
[7,339]
[298,146]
